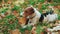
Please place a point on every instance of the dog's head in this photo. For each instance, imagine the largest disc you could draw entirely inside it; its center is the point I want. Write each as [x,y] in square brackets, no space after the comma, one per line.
[28,11]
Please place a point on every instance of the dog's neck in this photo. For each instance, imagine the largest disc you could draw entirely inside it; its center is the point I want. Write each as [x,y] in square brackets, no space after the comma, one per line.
[32,16]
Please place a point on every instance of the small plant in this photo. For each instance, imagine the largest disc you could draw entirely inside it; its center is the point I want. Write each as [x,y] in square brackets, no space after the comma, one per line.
[16,8]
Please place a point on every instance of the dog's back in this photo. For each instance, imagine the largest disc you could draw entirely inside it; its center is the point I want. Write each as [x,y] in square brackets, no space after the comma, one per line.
[50,16]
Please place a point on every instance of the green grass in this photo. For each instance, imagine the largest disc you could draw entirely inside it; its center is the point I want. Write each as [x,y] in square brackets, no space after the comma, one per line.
[59,17]
[20,9]
[39,29]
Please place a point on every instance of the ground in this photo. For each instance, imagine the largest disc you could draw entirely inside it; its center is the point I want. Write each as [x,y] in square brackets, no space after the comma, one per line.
[11,11]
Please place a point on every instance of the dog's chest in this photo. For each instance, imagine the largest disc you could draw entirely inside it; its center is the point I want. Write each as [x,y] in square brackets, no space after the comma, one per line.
[35,19]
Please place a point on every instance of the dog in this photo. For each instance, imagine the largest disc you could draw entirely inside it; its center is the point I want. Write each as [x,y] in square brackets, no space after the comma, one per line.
[35,16]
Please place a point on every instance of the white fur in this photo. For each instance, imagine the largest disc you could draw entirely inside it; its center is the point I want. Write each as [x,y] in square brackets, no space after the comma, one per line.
[52,17]
[21,14]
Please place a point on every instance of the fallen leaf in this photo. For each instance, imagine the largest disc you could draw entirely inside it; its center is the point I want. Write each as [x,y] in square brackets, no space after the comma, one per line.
[16,31]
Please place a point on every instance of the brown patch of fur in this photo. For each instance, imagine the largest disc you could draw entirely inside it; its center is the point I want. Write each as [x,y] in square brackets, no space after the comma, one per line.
[28,11]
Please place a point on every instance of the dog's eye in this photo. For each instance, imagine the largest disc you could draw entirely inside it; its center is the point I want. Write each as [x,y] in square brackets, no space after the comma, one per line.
[26,11]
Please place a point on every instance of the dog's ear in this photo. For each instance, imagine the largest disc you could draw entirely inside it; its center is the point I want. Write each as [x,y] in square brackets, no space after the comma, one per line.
[28,11]
[31,9]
